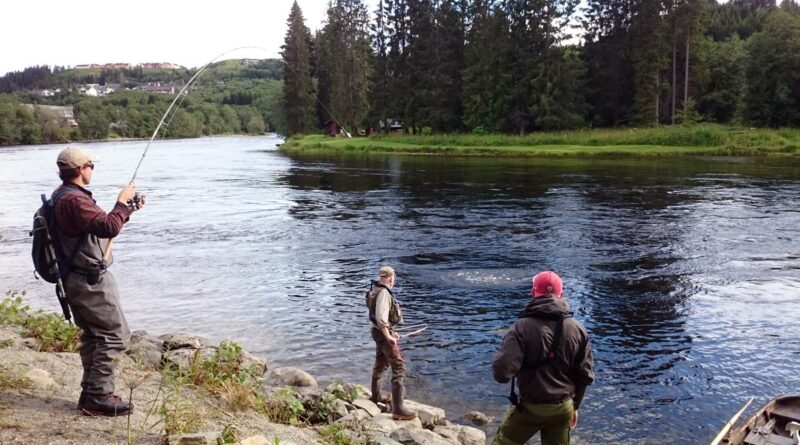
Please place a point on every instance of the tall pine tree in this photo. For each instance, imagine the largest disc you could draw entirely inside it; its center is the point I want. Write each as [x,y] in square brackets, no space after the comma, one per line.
[345,63]
[298,88]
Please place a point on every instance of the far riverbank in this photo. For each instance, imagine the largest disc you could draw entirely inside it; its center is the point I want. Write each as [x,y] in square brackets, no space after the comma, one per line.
[695,140]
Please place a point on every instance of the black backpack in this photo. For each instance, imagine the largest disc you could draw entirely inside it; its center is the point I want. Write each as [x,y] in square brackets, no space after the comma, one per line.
[49,261]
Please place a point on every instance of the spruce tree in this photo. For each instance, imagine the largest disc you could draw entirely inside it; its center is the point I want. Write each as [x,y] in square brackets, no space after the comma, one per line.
[486,74]
[345,63]
[298,89]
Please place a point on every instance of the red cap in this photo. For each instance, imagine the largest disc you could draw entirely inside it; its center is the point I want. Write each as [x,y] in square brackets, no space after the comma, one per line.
[547,283]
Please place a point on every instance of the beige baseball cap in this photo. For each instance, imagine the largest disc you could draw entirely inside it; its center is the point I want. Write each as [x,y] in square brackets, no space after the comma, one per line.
[385,272]
[73,157]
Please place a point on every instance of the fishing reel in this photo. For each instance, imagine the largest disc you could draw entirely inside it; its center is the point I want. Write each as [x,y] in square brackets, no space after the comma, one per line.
[136,202]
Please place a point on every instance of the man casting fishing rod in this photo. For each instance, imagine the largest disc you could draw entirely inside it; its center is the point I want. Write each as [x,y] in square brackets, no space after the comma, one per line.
[385,314]
[82,233]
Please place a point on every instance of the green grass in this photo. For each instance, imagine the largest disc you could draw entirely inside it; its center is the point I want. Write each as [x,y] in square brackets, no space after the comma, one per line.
[704,139]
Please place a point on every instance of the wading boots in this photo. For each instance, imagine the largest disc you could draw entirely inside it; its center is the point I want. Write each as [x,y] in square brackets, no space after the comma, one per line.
[107,405]
[399,412]
[376,393]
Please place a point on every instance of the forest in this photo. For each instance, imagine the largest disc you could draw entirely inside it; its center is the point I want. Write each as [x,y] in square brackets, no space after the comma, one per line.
[521,66]
[455,66]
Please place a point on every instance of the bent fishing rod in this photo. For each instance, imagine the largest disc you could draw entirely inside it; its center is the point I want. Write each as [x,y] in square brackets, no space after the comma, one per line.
[181,95]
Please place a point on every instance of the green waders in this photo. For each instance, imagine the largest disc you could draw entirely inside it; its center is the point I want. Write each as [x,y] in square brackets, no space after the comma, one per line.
[552,421]
[97,312]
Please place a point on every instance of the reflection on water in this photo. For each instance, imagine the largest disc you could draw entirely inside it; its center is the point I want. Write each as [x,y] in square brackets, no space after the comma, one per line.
[683,271]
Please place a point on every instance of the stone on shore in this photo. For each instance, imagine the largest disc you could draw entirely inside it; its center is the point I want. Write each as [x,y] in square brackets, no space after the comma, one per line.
[383,423]
[289,376]
[368,406]
[419,437]
[464,435]
[208,438]
[477,418]
[183,341]
[40,378]
[430,416]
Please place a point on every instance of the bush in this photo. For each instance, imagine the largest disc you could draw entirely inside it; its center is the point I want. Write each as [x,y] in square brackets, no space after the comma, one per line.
[282,406]
[52,332]
[336,434]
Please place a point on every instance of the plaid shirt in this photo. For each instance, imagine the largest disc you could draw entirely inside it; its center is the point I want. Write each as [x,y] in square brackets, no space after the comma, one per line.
[77,213]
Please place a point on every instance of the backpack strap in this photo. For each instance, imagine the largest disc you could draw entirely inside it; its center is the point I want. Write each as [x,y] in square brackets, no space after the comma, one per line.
[549,358]
[66,265]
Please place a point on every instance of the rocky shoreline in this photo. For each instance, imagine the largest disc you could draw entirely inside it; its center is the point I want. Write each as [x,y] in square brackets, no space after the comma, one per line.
[39,390]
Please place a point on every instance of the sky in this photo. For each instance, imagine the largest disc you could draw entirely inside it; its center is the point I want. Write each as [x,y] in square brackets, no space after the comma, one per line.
[189,33]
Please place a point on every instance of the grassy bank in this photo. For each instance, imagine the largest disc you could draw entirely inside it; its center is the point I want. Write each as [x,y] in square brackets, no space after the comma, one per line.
[705,139]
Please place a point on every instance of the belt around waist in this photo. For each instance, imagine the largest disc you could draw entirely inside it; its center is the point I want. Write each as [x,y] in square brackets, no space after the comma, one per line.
[556,401]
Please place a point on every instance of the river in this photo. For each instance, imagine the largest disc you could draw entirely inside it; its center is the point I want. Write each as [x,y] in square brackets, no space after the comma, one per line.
[685,272]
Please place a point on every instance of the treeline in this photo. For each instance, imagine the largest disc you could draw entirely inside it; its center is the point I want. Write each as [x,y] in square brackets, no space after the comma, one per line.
[517,66]
[228,99]
[42,77]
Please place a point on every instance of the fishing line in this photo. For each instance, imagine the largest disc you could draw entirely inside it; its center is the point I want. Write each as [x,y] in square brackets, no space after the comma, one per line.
[181,95]
[410,330]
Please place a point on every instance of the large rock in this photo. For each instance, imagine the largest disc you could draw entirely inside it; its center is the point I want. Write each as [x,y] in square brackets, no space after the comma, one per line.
[382,440]
[368,406]
[257,364]
[354,419]
[289,377]
[430,416]
[173,358]
[146,352]
[184,358]
[464,435]
[383,423]
[477,418]
[182,340]
[420,437]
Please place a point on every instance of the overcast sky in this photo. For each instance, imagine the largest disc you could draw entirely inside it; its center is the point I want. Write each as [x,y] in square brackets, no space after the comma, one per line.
[189,33]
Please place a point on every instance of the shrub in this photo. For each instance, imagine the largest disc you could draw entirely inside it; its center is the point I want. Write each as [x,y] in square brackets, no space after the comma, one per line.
[51,331]
[12,309]
[336,434]
[179,413]
[11,378]
[282,406]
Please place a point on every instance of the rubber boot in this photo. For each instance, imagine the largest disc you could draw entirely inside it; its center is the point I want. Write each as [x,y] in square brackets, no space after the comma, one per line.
[376,393]
[399,412]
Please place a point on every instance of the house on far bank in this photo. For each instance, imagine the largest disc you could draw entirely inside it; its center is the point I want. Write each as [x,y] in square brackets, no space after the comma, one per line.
[392,127]
[108,66]
[157,87]
[66,113]
[47,93]
[160,66]
[95,90]
[332,128]
[89,90]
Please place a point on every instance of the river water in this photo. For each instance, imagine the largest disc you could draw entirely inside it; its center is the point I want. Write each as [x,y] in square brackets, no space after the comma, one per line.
[684,271]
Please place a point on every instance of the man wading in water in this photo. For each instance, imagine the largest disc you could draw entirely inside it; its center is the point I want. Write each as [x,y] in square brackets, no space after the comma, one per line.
[385,314]
[550,354]
[82,231]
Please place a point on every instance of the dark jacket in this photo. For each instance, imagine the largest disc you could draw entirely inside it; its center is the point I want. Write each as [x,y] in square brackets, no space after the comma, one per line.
[527,342]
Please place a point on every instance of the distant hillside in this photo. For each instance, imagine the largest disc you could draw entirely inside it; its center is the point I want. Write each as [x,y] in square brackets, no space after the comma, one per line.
[231,97]
[43,77]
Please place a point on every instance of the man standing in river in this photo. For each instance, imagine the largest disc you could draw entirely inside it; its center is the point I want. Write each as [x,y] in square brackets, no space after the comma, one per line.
[385,314]
[81,234]
[550,354]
